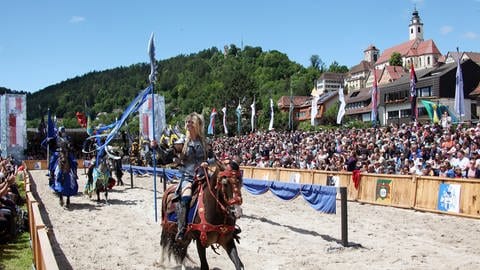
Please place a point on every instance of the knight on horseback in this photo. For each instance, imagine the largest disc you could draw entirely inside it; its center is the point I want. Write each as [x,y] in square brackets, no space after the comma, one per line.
[63,167]
[194,156]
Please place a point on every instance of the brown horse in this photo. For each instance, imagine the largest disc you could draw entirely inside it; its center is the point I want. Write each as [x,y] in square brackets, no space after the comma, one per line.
[219,200]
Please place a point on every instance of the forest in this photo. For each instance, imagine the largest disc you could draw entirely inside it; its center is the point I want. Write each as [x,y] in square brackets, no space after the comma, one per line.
[211,78]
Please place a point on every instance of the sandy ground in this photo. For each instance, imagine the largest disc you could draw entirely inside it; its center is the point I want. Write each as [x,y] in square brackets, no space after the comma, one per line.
[276,234]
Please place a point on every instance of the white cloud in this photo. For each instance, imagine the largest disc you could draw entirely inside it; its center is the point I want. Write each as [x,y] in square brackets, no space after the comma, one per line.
[77,19]
[446,29]
[470,35]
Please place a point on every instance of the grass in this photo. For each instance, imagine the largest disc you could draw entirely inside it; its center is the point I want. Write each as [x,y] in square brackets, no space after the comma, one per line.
[16,255]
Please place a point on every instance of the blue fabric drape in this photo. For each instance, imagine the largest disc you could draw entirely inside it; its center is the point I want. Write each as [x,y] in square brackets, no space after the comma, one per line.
[257,187]
[320,198]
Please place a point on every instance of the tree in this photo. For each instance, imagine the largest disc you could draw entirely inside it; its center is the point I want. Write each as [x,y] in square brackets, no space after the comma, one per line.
[317,63]
[395,59]
[337,68]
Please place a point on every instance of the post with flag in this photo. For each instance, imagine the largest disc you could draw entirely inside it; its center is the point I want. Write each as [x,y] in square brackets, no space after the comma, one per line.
[152,77]
[290,112]
[225,129]
[413,93]
[341,108]
[50,134]
[238,111]
[270,125]
[211,125]
[374,102]
[459,99]
[314,109]
[252,119]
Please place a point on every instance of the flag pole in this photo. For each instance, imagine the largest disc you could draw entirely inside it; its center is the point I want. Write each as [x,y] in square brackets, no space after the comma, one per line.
[458,63]
[48,146]
[152,77]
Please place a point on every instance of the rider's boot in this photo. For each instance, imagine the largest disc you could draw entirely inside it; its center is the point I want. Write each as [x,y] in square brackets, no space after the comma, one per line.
[182,213]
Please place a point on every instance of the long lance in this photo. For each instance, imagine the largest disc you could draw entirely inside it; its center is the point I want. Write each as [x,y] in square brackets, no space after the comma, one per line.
[152,78]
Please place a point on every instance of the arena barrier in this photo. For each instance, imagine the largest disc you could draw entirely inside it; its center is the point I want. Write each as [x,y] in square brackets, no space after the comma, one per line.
[43,256]
[451,196]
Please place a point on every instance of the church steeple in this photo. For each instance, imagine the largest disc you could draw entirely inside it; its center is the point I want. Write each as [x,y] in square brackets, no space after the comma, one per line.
[415,28]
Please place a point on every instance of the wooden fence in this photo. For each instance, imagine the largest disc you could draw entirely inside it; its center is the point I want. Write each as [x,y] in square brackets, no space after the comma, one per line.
[404,191]
[43,257]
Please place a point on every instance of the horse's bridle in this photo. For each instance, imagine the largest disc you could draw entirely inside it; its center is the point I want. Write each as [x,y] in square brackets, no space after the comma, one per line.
[231,177]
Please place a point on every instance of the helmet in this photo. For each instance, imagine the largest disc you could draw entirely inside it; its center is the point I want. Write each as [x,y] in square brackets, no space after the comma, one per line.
[180,140]
[61,129]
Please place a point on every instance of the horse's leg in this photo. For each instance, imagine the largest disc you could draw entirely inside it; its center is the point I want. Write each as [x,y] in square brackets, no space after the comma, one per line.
[60,197]
[98,194]
[232,252]
[68,201]
[202,255]
[106,195]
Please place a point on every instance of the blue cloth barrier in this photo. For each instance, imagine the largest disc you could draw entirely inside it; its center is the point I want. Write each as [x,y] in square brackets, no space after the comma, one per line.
[321,198]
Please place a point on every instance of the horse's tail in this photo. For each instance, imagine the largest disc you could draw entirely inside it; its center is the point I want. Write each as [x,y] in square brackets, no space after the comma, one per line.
[177,249]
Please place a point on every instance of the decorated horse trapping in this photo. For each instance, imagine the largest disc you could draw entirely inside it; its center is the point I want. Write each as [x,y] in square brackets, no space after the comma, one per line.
[219,197]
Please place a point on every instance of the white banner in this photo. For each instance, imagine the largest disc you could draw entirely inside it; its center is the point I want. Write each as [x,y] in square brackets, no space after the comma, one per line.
[146,117]
[13,125]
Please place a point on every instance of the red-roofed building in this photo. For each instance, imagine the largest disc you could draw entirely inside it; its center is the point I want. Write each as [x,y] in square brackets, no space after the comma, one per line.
[422,53]
[451,56]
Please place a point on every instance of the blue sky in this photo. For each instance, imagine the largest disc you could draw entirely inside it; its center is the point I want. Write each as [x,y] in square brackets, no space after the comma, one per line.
[46,42]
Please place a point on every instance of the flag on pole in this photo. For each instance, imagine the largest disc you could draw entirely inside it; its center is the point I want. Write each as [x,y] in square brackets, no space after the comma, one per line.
[413,93]
[238,111]
[42,127]
[51,131]
[270,125]
[211,126]
[50,126]
[459,99]
[151,54]
[314,110]
[81,119]
[89,125]
[225,129]
[290,114]
[252,119]
[341,108]
[374,98]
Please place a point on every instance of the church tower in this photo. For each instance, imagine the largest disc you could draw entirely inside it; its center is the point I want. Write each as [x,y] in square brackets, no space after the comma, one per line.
[371,54]
[415,28]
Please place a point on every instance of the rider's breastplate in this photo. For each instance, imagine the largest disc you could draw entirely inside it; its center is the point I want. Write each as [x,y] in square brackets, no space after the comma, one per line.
[194,156]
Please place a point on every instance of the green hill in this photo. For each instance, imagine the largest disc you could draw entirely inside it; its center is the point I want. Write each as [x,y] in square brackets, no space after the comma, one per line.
[195,82]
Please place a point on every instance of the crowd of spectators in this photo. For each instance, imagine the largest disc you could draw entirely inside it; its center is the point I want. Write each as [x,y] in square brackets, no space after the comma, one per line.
[12,217]
[407,149]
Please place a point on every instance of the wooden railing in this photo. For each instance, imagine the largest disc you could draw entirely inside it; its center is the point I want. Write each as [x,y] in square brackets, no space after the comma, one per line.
[43,256]
[406,191]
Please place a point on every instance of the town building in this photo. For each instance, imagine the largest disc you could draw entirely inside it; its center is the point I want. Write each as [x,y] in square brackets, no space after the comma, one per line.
[436,75]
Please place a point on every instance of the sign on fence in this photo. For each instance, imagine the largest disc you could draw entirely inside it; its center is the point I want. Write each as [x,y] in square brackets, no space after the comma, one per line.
[449,198]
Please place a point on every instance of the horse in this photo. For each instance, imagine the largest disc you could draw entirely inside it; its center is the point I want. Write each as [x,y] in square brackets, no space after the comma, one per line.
[64,181]
[99,179]
[219,198]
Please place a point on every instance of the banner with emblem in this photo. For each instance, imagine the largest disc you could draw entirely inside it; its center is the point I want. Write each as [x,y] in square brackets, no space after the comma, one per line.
[384,191]
[449,198]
